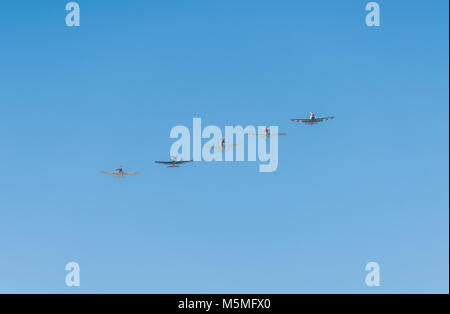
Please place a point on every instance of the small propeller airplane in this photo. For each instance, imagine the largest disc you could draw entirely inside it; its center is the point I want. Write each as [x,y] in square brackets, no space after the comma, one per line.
[119,173]
[221,147]
[312,119]
[174,163]
[267,133]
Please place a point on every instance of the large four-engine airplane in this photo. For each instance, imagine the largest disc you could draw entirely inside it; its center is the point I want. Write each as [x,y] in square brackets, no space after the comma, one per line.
[312,119]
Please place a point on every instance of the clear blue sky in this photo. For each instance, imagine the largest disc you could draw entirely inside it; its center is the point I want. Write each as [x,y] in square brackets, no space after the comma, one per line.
[371,185]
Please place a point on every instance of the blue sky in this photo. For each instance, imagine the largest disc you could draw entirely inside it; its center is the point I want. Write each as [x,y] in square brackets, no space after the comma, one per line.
[371,185]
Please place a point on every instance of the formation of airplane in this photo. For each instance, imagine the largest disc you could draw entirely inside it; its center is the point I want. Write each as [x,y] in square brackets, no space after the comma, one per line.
[312,119]
[174,163]
[119,173]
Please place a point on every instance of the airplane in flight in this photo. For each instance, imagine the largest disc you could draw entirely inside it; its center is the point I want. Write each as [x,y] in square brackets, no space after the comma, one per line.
[267,134]
[174,163]
[312,119]
[221,147]
[119,173]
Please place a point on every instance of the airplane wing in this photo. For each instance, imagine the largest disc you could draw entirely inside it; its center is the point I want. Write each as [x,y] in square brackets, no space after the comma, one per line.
[257,134]
[164,162]
[277,134]
[130,174]
[110,173]
[324,119]
[221,149]
[183,162]
[301,120]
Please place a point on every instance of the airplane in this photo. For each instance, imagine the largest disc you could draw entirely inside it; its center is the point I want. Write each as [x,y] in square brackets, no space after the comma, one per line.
[119,173]
[174,163]
[312,119]
[267,133]
[221,147]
